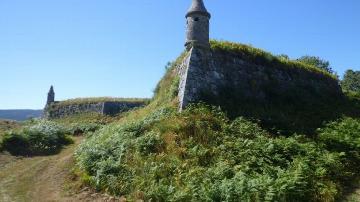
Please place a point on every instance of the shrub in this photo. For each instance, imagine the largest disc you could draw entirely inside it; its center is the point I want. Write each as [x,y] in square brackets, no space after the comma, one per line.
[200,155]
[44,137]
[351,81]
[82,128]
[317,62]
[149,143]
[6,126]
[15,143]
[343,136]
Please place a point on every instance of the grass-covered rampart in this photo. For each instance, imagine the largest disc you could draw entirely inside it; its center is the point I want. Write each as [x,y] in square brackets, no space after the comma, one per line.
[157,154]
[201,155]
[261,57]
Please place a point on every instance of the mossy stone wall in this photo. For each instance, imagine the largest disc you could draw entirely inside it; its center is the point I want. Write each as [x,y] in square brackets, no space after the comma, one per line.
[278,94]
[58,110]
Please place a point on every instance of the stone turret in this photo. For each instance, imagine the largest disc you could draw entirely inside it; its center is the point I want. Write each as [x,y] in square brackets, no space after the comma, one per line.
[51,96]
[197,30]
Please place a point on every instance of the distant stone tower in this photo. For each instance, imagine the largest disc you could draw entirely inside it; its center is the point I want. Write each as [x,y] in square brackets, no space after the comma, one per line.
[51,96]
[197,31]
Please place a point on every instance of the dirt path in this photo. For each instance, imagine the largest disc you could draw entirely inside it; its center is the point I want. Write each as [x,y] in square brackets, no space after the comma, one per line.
[354,196]
[40,178]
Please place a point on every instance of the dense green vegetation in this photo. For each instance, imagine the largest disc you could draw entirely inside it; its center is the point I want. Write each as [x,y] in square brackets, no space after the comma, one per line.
[201,155]
[351,81]
[41,137]
[317,62]
[157,154]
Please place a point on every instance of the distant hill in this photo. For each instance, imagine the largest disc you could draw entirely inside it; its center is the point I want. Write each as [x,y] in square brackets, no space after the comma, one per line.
[20,114]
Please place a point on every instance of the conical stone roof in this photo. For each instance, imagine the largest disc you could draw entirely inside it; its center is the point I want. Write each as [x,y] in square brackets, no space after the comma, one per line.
[198,7]
[51,89]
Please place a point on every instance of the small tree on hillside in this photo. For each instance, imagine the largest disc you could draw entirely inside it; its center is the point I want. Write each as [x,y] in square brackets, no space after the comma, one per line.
[284,56]
[317,62]
[351,81]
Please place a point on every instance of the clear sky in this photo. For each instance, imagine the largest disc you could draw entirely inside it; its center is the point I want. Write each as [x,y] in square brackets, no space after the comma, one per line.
[119,48]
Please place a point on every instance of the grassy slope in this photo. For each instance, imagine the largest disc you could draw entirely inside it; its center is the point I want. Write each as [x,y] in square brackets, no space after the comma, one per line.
[169,156]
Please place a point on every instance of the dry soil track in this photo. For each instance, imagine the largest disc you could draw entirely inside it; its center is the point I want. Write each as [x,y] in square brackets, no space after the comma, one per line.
[41,179]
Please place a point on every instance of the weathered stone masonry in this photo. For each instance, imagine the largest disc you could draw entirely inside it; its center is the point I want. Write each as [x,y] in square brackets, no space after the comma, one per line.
[208,73]
[56,110]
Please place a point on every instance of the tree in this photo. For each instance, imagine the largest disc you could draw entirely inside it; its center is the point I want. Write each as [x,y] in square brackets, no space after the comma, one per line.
[351,81]
[284,56]
[317,62]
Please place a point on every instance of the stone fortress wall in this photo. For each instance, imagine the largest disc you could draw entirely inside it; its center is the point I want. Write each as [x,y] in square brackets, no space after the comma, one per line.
[57,110]
[208,73]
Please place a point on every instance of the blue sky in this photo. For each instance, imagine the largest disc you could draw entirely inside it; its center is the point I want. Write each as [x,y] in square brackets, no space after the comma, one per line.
[119,48]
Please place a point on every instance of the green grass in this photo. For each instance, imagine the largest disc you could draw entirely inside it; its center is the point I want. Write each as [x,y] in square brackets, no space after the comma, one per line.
[201,155]
[261,57]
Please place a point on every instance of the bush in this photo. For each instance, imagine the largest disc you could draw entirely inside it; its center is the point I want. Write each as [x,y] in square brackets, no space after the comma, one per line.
[82,128]
[44,137]
[317,62]
[343,136]
[150,143]
[15,143]
[6,126]
[351,81]
[200,155]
